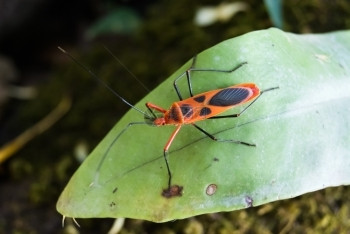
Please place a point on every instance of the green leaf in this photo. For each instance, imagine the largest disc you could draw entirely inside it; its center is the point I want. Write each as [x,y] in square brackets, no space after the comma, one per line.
[301,132]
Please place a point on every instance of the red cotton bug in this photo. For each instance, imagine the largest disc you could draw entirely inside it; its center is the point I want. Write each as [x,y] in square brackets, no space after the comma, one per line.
[207,105]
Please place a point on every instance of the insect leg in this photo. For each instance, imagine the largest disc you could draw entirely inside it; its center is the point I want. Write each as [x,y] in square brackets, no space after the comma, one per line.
[238,114]
[99,166]
[151,106]
[221,140]
[269,89]
[188,73]
[192,68]
[165,152]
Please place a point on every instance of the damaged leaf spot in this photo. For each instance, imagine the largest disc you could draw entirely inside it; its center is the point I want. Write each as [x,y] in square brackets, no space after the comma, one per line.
[211,189]
[115,190]
[173,191]
[249,200]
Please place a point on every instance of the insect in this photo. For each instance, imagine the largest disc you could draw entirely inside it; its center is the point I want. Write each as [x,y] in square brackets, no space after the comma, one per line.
[203,106]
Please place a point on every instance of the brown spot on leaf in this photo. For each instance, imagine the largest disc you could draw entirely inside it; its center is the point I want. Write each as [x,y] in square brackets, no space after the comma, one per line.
[211,189]
[173,191]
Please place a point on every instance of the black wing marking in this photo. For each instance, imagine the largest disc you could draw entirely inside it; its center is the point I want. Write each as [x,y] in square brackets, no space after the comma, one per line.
[186,111]
[229,97]
[199,99]
[204,111]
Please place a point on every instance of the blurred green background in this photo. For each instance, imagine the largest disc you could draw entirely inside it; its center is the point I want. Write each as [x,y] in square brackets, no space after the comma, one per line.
[152,39]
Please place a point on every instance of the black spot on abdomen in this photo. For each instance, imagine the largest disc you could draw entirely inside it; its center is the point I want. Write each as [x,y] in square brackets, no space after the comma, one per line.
[204,111]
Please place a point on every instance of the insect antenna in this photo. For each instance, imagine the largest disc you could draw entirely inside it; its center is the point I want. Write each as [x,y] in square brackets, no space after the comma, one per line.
[100,81]
[126,68]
